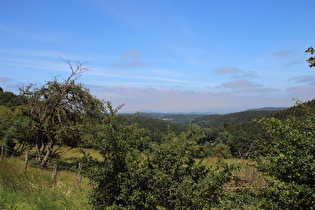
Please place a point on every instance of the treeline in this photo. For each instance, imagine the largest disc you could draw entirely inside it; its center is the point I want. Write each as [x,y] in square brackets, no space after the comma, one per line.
[299,110]
[156,127]
[11,100]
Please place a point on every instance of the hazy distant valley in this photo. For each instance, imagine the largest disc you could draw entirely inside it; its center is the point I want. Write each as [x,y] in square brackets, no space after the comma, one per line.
[212,119]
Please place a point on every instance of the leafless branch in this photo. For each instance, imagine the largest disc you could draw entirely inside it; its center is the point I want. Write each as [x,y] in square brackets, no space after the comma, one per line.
[77,69]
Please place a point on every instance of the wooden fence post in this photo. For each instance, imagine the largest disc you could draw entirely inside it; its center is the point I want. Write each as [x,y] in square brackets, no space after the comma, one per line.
[26,159]
[54,173]
[2,152]
[79,175]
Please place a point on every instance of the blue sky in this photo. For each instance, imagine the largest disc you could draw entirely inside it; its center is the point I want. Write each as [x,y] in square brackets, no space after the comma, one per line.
[164,55]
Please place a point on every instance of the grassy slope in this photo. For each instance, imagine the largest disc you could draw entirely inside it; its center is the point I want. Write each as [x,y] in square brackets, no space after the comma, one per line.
[35,190]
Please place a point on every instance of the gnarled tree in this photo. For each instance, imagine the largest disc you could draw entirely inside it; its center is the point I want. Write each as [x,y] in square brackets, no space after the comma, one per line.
[57,111]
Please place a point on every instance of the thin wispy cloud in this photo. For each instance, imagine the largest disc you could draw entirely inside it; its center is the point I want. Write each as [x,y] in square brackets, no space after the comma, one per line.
[226,70]
[130,60]
[301,89]
[308,79]
[116,75]
[290,58]
[246,88]
[131,54]
[5,79]
[57,65]
[246,75]
[283,53]
[301,92]
[240,84]
[235,72]
[129,64]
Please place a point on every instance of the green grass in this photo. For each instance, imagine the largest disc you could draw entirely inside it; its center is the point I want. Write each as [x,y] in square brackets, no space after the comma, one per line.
[248,174]
[70,155]
[35,190]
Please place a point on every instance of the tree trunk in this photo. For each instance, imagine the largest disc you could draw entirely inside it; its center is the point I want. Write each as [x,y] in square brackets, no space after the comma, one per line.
[2,152]
[48,154]
[79,175]
[26,160]
[37,153]
[54,173]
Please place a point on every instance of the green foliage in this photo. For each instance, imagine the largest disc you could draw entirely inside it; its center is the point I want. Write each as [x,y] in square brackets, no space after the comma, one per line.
[11,100]
[222,151]
[118,142]
[311,60]
[243,138]
[156,127]
[296,111]
[224,137]
[163,175]
[5,118]
[291,160]
[6,121]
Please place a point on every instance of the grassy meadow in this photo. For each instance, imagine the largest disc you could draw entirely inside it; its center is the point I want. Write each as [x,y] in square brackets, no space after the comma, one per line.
[34,188]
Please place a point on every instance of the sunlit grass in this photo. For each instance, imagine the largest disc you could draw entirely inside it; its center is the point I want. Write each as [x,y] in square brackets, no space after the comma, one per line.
[245,170]
[34,188]
[72,154]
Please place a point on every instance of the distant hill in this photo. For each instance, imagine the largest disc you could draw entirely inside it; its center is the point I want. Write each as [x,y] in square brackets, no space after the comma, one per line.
[215,120]
[269,109]
[237,117]
[156,127]
[181,118]
[211,120]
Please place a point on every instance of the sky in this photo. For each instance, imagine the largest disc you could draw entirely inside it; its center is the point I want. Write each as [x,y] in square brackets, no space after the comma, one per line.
[217,56]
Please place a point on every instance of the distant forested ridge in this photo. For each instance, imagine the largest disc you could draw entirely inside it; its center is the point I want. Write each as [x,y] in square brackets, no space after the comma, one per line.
[237,117]
[9,99]
[211,120]
[182,118]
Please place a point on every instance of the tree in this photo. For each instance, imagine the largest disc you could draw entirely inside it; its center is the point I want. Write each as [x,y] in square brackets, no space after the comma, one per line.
[311,60]
[119,143]
[56,111]
[165,176]
[290,161]
[222,151]
[5,124]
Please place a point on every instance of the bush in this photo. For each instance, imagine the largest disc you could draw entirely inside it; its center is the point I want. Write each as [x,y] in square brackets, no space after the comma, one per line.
[291,161]
[222,151]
